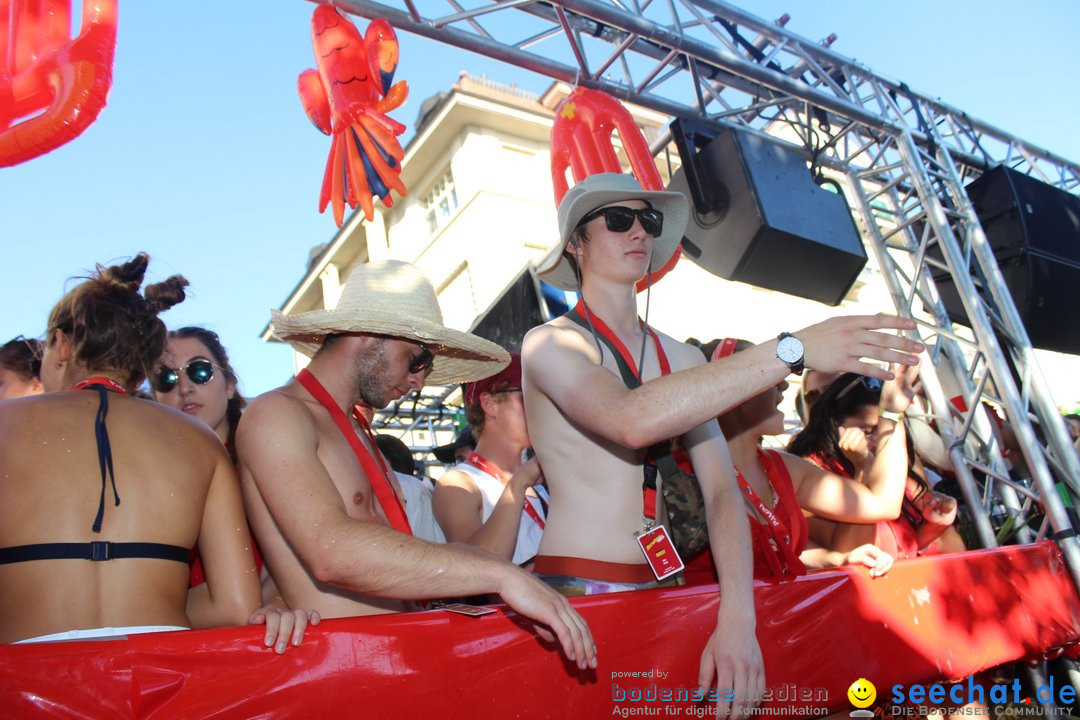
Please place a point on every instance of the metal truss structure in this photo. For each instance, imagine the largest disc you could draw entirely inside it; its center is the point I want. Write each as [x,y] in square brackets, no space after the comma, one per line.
[902,158]
[425,411]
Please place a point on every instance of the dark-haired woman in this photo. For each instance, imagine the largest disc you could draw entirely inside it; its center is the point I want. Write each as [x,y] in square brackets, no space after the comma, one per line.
[844,435]
[777,486]
[20,368]
[194,375]
[102,495]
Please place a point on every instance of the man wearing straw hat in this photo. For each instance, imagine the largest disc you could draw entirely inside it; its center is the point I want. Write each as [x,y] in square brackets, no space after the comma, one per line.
[590,430]
[324,506]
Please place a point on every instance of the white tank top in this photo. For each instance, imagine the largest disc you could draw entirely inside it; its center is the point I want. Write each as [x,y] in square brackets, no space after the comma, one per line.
[491,489]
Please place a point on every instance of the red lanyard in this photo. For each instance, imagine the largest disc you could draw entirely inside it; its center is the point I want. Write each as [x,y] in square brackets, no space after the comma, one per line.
[380,481]
[481,463]
[648,494]
[779,537]
[103,381]
[603,329]
[363,423]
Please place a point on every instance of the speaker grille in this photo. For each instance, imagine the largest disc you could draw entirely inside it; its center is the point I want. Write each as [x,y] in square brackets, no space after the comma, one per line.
[771,225]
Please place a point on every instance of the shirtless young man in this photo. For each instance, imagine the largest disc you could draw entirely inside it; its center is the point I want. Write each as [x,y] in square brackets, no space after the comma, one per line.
[312,483]
[589,430]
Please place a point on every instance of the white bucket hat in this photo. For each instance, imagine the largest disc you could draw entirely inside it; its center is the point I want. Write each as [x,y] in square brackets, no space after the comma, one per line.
[394,298]
[599,190]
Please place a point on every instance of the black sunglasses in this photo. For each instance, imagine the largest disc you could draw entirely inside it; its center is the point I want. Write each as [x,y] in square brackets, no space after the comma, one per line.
[620,219]
[423,362]
[199,372]
[870,384]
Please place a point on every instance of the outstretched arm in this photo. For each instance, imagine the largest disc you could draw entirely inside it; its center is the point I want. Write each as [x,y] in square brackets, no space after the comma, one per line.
[560,359]
[278,448]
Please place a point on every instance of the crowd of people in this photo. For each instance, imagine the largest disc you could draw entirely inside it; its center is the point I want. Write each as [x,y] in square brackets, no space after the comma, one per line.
[593,459]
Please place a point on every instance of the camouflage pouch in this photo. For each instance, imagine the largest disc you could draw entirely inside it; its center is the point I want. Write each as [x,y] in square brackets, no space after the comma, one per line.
[680,502]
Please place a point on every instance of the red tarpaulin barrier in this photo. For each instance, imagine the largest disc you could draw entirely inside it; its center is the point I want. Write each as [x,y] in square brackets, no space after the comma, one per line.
[929,619]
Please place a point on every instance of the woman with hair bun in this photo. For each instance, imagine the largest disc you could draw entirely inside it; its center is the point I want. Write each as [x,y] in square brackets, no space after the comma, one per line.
[103,495]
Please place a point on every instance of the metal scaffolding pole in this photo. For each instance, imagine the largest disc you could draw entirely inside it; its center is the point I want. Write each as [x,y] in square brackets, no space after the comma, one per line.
[667,56]
[711,62]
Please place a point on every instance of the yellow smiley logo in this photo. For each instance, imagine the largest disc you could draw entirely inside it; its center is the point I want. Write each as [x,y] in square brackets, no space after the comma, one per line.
[862,693]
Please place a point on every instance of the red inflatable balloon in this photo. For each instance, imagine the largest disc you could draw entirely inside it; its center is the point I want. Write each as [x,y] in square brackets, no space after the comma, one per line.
[348,97]
[52,87]
[581,141]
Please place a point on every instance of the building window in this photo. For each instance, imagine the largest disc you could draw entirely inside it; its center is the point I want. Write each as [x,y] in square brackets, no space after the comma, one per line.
[440,202]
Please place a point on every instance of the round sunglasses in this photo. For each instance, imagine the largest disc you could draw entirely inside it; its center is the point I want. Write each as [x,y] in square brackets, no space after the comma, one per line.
[199,372]
[619,218]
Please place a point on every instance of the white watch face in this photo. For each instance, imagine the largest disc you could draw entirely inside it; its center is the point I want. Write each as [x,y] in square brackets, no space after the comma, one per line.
[789,349]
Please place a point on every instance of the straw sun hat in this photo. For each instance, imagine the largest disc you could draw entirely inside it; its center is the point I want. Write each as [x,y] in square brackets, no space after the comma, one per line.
[394,298]
[602,189]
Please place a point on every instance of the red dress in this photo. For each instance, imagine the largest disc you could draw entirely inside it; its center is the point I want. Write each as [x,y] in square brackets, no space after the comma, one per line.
[776,548]
[897,537]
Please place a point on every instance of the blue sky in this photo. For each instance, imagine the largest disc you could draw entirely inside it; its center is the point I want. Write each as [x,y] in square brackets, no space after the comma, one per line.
[204,158]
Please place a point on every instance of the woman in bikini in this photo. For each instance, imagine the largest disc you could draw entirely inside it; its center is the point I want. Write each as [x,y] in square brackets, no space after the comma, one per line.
[103,495]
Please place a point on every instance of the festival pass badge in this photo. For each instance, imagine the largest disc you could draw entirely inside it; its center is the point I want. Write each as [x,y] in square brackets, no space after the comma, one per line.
[470,610]
[660,552]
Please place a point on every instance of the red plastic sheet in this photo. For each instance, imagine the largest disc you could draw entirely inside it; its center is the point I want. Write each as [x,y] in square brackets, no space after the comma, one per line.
[928,619]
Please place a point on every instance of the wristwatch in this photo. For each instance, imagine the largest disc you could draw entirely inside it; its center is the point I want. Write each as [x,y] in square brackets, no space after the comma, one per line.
[890,415]
[790,351]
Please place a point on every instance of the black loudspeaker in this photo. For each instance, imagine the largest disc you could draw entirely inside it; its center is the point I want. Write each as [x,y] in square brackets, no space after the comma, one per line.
[1034,230]
[515,312]
[759,218]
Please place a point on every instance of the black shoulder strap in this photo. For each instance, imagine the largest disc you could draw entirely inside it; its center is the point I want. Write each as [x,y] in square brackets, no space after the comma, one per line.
[629,378]
[659,450]
[104,449]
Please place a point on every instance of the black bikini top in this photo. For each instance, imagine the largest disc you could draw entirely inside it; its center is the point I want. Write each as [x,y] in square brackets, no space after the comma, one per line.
[97,550]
